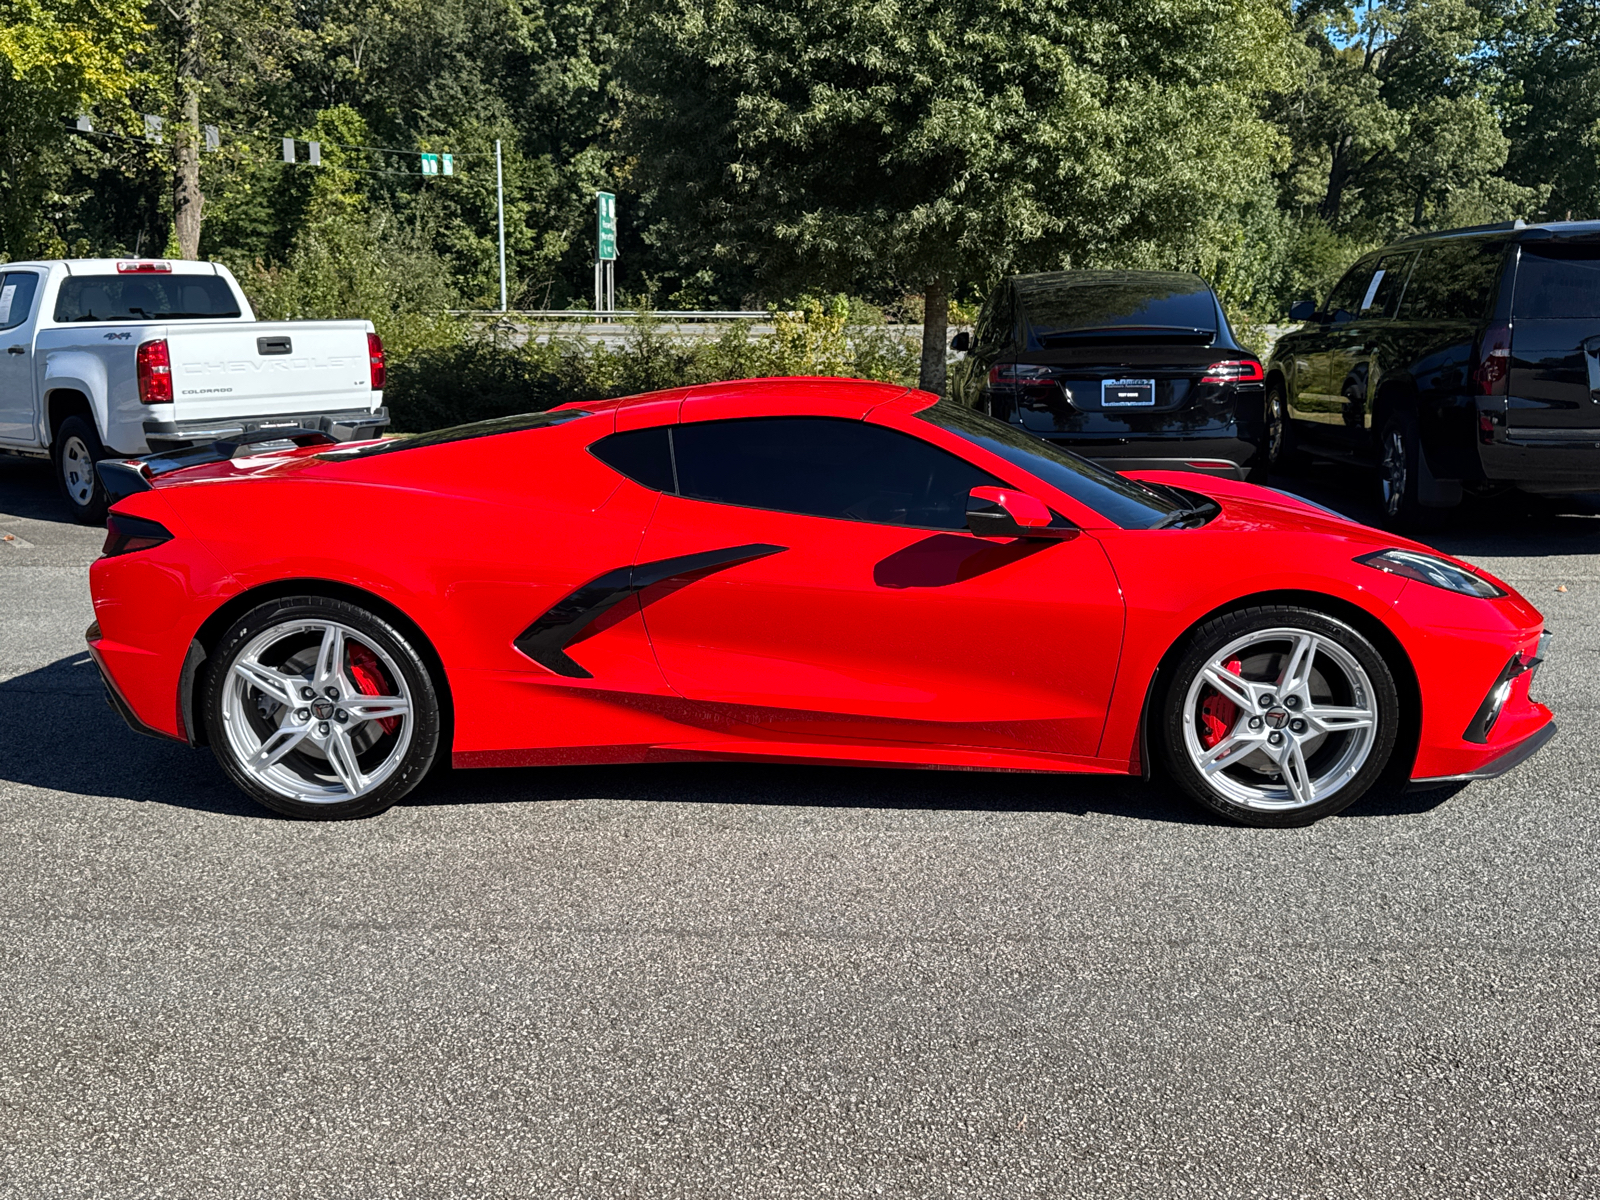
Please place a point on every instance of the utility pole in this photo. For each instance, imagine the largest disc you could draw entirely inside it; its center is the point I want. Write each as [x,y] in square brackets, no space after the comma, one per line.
[500,206]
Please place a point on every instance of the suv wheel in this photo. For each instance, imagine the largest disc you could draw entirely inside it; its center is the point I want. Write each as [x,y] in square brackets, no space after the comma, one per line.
[1399,451]
[1278,450]
[76,449]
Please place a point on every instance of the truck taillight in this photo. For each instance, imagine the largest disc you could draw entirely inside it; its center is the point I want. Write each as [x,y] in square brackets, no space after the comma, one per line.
[375,355]
[144,268]
[1234,370]
[1494,359]
[155,372]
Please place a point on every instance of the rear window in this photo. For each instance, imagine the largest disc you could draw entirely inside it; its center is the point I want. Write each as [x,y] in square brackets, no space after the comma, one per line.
[144,298]
[1094,304]
[1557,284]
[1452,281]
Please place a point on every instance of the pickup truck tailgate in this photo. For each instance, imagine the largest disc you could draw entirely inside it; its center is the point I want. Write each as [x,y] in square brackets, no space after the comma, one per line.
[262,368]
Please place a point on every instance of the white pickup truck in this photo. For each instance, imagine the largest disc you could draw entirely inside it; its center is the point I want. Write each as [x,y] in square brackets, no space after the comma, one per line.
[108,357]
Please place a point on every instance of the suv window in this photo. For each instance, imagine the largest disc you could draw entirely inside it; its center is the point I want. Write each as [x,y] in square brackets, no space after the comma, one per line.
[1076,306]
[824,467]
[1558,284]
[1452,281]
[16,297]
[1382,298]
[145,298]
[1344,302]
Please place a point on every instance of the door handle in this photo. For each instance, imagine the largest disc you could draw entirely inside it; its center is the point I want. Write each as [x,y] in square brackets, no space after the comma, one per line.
[16,349]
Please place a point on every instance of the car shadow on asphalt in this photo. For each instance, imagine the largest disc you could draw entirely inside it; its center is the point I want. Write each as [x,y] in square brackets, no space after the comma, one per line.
[28,489]
[60,735]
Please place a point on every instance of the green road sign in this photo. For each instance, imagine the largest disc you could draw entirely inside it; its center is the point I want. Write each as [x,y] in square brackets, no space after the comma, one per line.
[449,165]
[430,164]
[608,225]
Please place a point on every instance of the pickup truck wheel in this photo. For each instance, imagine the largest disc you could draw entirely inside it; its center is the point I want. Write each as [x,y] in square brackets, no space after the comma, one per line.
[76,449]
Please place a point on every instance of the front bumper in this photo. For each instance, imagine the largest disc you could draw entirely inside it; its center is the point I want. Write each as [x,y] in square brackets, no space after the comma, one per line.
[1514,757]
[348,426]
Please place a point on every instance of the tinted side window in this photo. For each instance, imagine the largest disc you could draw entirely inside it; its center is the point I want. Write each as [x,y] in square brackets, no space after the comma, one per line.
[1555,285]
[1344,302]
[643,455]
[1382,298]
[825,467]
[1452,282]
[16,297]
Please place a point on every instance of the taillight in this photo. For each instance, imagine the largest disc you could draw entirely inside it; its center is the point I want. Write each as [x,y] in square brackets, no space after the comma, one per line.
[125,534]
[144,268]
[1494,359]
[1234,370]
[376,358]
[1021,375]
[155,373]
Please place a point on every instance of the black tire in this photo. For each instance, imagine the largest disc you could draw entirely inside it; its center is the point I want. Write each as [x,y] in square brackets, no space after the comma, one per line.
[405,762]
[1399,471]
[74,451]
[1352,763]
[1279,451]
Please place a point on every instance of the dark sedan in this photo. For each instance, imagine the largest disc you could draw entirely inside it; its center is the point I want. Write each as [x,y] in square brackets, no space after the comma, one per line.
[1139,367]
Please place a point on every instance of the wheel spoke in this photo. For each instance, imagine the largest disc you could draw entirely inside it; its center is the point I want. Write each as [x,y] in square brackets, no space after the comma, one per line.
[1297,672]
[376,708]
[1337,720]
[279,744]
[1225,753]
[1292,765]
[266,681]
[1230,685]
[342,758]
[330,658]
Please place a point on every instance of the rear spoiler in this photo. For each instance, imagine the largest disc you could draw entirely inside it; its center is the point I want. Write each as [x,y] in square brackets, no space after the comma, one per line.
[123,477]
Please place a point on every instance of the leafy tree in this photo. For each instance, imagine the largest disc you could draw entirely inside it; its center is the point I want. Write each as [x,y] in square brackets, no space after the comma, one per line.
[58,58]
[1549,62]
[934,144]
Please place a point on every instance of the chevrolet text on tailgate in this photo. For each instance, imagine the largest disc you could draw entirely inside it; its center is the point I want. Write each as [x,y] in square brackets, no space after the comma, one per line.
[116,358]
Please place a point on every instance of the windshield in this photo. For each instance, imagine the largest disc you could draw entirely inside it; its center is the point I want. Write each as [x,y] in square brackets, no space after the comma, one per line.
[145,298]
[1075,305]
[1121,501]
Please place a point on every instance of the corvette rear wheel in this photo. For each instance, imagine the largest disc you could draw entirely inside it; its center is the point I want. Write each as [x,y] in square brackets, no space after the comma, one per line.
[1279,716]
[319,709]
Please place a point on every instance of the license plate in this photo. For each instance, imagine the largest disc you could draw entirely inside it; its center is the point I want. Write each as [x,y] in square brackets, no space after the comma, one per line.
[1128,393]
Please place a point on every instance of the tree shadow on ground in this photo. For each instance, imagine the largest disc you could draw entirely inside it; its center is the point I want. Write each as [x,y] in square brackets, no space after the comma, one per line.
[28,489]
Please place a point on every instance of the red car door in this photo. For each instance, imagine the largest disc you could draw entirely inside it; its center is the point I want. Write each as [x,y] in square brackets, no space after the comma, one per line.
[850,602]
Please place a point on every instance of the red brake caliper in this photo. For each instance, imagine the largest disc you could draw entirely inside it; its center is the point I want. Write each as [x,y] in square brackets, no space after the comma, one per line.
[1217,712]
[368,674]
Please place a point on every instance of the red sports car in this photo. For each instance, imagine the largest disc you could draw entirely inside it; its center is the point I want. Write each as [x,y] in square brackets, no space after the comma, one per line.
[805,570]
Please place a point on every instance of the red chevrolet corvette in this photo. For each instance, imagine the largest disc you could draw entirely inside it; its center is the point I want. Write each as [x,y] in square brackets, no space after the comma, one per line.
[807,570]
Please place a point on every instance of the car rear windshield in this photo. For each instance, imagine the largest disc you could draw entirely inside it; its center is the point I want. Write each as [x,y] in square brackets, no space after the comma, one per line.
[1125,304]
[461,433]
[1558,283]
[145,298]
[1118,499]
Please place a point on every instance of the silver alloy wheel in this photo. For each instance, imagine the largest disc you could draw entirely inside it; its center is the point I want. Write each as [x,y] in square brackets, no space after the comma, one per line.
[1306,723]
[77,470]
[1392,470]
[300,726]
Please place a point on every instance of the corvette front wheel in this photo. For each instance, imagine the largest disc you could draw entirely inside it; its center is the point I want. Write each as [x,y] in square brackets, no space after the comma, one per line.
[1279,716]
[320,709]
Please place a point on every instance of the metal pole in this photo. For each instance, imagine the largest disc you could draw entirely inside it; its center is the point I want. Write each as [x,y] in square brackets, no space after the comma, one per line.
[500,206]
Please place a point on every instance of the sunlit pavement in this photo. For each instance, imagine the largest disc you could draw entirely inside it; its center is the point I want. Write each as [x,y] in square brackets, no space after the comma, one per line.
[751,981]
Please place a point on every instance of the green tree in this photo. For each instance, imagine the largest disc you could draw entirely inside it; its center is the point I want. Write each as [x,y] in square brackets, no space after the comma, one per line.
[1549,64]
[934,144]
[58,59]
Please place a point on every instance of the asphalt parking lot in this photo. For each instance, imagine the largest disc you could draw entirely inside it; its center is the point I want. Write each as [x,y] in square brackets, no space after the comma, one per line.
[787,982]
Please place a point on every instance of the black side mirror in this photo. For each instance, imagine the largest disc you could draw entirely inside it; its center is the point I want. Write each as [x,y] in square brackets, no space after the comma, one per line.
[1007,513]
[1304,310]
[962,342]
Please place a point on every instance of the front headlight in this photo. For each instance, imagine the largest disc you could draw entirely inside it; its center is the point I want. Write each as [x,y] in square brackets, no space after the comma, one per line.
[1431,570]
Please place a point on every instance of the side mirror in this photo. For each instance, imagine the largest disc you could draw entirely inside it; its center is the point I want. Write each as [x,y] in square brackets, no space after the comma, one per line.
[1304,310]
[962,342]
[1007,513]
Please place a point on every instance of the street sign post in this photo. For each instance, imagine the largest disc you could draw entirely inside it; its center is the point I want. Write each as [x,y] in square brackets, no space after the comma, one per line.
[605,258]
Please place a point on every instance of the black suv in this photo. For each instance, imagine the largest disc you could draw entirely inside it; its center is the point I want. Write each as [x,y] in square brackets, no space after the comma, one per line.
[1136,366]
[1459,361]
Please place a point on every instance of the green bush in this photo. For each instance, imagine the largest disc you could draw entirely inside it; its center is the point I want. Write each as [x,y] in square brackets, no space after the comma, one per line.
[494,373]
